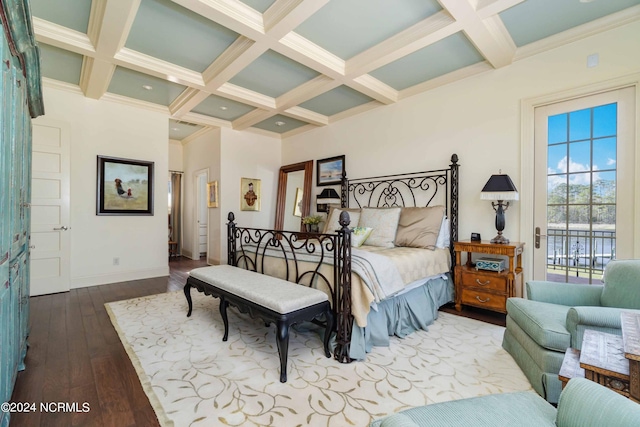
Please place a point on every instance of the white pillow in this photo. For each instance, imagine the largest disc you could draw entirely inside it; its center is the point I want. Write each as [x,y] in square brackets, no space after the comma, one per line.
[384,222]
[333,223]
[444,236]
[360,235]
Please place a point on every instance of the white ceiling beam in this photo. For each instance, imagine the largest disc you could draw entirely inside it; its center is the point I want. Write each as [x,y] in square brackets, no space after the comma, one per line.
[605,23]
[489,8]
[306,91]
[284,16]
[62,37]
[488,35]
[109,27]
[201,119]
[156,67]
[246,96]
[232,14]
[307,116]
[251,118]
[418,36]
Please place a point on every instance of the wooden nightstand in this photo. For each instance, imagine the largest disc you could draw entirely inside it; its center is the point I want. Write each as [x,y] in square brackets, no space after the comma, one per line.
[483,288]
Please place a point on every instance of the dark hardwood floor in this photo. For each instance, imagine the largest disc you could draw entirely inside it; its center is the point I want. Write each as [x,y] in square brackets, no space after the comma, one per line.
[75,355]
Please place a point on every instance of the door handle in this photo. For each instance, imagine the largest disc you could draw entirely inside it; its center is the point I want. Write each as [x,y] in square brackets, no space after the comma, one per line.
[63,228]
[538,236]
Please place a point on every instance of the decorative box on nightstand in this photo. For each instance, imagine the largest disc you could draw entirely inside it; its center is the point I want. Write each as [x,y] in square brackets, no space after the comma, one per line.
[491,281]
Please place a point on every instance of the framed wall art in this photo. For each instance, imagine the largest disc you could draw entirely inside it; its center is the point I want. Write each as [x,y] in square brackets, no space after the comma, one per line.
[329,171]
[212,194]
[124,187]
[250,194]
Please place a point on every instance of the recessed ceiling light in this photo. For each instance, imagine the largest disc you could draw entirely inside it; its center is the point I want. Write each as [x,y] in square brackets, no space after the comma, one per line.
[147,87]
[280,123]
[586,1]
[223,108]
[175,129]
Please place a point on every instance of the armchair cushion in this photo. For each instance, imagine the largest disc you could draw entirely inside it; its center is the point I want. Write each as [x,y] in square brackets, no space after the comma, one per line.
[622,284]
[584,403]
[543,322]
[569,294]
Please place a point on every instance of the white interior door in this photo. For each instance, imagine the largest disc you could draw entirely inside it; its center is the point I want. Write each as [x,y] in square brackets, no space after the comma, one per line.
[584,186]
[50,202]
[202,232]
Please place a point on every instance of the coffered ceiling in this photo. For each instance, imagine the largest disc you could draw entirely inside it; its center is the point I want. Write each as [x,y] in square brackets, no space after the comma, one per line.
[282,67]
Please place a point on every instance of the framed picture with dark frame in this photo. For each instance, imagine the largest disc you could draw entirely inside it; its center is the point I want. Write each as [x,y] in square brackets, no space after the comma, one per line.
[124,187]
[329,171]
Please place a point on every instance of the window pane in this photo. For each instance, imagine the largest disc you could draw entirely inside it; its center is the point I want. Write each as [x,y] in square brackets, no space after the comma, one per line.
[557,189]
[557,128]
[557,158]
[604,153]
[556,216]
[604,120]
[604,187]
[604,217]
[579,188]
[580,125]
[579,156]
[578,216]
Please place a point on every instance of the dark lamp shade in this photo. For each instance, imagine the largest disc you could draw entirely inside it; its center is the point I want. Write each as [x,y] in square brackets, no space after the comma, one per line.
[499,187]
[328,193]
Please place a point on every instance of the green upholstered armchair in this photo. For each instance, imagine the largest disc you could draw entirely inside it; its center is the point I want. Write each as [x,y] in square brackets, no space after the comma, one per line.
[555,316]
[583,403]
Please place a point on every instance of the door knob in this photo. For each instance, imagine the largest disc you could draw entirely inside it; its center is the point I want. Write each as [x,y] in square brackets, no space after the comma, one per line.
[538,236]
[63,228]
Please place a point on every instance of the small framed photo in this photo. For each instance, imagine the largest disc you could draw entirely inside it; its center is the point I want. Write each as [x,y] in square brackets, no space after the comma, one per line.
[329,171]
[212,194]
[297,203]
[124,187]
[250,194]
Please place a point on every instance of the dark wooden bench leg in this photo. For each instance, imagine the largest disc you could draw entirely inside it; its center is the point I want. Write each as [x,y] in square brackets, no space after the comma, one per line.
[187,293]
[282,338]
[327,332]
[223,312]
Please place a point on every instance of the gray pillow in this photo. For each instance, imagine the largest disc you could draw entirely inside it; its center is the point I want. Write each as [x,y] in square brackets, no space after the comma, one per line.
[419,227]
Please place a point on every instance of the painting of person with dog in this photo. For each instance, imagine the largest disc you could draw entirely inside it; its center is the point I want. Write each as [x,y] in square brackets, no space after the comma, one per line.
[124,186]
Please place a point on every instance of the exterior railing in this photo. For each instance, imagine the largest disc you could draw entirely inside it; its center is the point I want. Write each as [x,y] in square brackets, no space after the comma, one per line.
[580,250]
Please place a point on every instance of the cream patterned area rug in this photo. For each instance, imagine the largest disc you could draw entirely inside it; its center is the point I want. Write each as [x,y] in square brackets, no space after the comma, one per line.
[193,378]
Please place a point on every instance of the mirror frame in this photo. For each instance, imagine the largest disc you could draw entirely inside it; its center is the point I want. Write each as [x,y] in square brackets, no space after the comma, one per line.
[307,167]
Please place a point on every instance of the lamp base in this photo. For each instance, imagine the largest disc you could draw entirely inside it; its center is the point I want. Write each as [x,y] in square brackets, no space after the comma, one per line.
[500,239]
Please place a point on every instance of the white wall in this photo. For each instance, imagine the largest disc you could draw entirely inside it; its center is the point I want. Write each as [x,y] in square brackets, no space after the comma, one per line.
[112,129]
[201,153]
[175,155]
[247,155]
[478,118]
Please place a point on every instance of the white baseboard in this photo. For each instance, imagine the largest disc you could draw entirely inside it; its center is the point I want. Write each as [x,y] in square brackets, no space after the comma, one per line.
[125,276]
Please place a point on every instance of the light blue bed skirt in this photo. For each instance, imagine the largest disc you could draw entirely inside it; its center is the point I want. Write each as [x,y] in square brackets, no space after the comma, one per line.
[401,315]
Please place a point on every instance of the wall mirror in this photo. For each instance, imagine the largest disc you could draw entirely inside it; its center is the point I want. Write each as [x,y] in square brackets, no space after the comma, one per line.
[294,195]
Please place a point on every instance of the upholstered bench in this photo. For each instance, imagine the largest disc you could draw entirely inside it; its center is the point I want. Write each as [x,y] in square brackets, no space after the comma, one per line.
[265,297]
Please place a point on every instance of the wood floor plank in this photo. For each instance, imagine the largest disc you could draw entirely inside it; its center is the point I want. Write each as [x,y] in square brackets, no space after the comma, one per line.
[116,411]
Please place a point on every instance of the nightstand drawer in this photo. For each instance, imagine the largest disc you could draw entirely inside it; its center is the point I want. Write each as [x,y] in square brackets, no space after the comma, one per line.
[484,300]
[486,281]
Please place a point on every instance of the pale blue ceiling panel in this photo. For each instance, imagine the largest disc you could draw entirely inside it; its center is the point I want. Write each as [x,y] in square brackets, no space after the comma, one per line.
[348,27]
[222,108]
[170,32]
[336,100]
[259,5]
[181,130]
[59,64]
[440,58]
[280,124]
[273,74]
[534,20]
[73,14]
[131,83]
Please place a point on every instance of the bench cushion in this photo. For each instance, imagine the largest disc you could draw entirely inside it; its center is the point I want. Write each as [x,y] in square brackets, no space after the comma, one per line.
[269,292]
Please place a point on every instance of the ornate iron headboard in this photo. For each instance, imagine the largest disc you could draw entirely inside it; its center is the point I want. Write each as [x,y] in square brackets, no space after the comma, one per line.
[436,187]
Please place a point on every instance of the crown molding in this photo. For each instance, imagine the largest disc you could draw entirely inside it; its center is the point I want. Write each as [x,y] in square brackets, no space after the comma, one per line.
[297,131]
[305,115]
[454,76]
[57,84]
[204,120]
[246,96]
[197,134]
[62,37]
[145,105]
[354,111]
